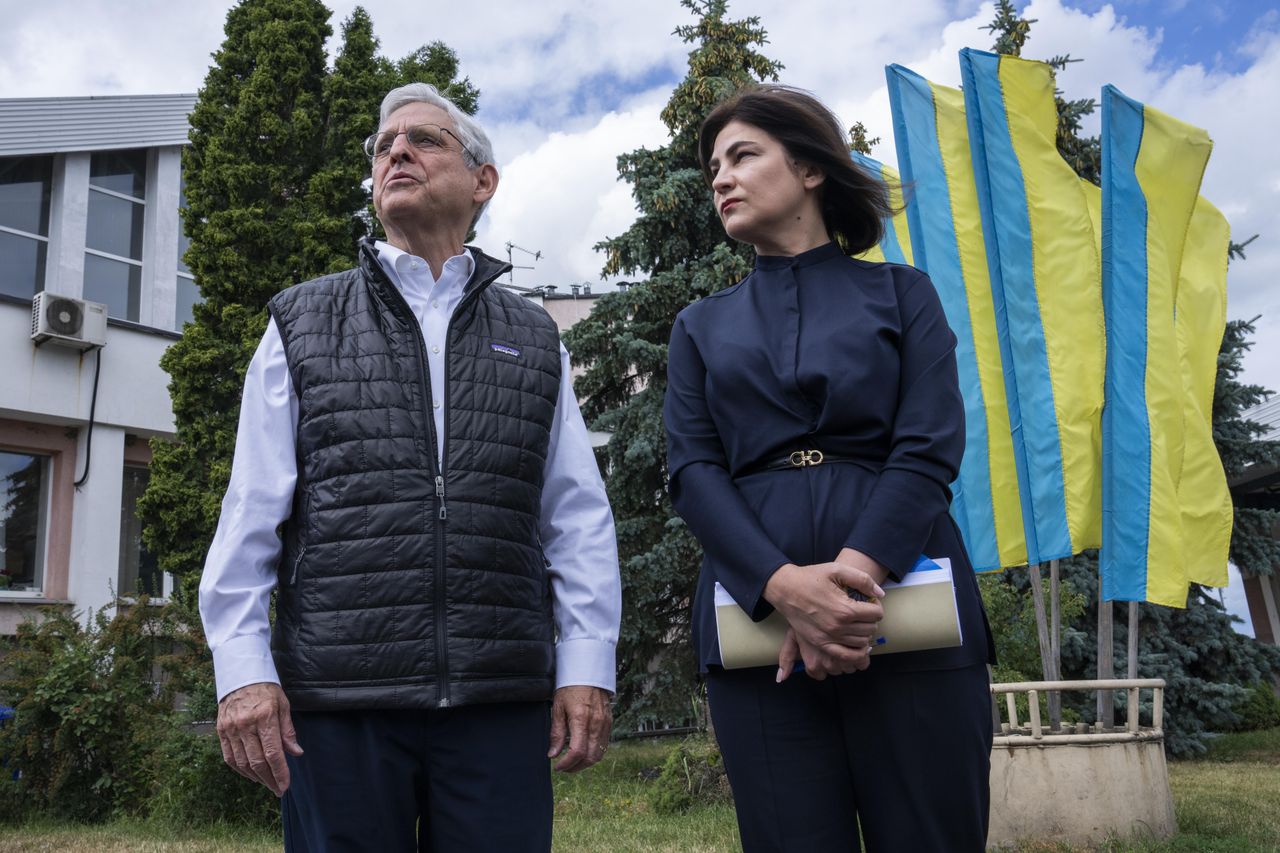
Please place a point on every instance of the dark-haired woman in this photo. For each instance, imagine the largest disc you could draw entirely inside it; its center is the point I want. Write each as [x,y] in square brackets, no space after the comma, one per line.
[817,355]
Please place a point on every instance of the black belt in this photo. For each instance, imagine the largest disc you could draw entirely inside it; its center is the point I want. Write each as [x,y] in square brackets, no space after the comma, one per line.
[800,459]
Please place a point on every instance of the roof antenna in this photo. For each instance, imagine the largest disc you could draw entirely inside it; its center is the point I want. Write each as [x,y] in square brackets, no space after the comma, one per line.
[511,277]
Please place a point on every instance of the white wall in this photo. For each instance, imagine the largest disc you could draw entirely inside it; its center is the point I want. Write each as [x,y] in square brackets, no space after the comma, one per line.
[53,384]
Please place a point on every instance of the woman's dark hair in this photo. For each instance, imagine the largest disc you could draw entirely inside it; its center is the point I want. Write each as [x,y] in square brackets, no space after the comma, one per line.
[854,204]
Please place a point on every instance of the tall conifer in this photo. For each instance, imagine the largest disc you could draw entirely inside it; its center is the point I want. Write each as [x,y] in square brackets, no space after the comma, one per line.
[678,243]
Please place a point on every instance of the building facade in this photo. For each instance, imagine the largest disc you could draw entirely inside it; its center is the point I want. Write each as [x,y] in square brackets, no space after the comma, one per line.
[90,191]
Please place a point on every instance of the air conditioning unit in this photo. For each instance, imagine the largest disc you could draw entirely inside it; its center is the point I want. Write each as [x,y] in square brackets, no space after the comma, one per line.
[68,322]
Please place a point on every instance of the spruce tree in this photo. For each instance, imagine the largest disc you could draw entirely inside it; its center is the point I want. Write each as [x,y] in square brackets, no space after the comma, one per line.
[275,189]
[677,242]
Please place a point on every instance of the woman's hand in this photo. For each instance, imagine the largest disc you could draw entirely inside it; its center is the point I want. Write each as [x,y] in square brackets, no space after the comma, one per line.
[819,661]
[830,631]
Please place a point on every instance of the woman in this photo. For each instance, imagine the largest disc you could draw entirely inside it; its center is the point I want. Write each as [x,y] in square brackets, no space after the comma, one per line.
[815,351]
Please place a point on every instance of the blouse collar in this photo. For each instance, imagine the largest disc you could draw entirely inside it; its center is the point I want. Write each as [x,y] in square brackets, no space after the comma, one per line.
[825,252]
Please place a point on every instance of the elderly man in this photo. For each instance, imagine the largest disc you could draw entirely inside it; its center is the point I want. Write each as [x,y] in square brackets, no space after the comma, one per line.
[413,477]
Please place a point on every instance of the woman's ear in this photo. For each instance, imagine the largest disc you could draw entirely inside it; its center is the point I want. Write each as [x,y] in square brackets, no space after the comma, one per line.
[812,176]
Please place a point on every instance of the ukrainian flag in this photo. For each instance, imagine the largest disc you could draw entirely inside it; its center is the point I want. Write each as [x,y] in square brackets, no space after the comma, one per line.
[1152,168]
[1043,259]
[895,246]
[946,236]
[1201,320]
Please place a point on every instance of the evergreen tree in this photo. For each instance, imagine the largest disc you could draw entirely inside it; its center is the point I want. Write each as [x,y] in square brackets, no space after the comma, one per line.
[275,189]
[1084,153]
[1253,549]
[1206,665]
[678,242]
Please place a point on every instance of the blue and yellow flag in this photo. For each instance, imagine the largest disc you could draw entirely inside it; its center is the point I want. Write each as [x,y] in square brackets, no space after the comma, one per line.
[895,246]
[1043,259]
[1152,165]
[946,236]
[1201,320]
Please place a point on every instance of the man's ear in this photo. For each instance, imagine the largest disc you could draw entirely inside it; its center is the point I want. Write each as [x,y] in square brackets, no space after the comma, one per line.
[486,176]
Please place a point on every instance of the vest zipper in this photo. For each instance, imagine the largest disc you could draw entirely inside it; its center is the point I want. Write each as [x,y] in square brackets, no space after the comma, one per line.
[442,660]
[438,467]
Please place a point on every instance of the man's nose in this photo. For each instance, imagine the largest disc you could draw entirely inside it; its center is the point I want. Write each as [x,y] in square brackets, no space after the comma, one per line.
[400,147]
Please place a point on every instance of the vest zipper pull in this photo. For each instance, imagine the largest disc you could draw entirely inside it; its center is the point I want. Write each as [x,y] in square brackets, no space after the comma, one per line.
[440,494]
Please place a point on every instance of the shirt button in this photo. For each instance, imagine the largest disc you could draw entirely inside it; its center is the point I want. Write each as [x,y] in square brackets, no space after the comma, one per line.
[435,403]
[435,303]
[435,349]
[413,265]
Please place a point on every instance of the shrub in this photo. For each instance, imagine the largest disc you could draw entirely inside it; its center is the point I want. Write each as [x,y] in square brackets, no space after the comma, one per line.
[693,774]
[1260,708]
[90,701]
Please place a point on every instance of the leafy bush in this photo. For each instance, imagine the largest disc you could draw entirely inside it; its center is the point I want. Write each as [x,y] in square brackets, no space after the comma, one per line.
[1260,709]
[89,701]
[693,774]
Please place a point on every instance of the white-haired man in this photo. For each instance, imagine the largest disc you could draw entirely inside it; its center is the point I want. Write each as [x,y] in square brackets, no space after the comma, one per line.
[413,477]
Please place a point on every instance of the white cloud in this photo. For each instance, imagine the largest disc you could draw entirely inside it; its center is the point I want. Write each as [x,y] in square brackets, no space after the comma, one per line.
[563,196]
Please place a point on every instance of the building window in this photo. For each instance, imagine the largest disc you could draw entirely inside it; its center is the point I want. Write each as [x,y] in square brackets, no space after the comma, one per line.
[139,572]
[188,293]
[24,223]
[113,242]
[24,502]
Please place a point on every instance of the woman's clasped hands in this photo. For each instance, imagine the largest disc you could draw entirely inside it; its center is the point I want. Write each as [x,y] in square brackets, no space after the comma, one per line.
[830,630]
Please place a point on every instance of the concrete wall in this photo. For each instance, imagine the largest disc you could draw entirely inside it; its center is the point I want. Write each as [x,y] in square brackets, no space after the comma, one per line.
[1081,794]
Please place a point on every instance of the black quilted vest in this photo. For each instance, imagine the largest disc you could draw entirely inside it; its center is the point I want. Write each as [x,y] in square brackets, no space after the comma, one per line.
[401,585]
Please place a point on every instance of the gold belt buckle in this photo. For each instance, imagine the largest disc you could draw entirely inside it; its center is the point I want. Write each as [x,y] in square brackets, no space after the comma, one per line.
[804,458]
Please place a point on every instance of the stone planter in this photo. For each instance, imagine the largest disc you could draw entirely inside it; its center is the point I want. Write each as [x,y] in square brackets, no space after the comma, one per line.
[1081,785]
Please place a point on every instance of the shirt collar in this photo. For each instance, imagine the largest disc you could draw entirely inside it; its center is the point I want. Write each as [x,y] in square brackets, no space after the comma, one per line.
[399,266]
[825,252]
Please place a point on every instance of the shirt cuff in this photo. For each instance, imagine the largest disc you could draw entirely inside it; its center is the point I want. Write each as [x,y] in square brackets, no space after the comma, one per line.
[586,662]
[242,661]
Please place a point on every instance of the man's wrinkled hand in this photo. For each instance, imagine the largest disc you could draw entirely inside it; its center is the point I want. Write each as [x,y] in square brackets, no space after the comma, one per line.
[256,729]
[581,720]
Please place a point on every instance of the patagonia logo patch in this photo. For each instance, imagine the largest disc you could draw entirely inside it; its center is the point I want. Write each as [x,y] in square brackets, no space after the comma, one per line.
[505,349]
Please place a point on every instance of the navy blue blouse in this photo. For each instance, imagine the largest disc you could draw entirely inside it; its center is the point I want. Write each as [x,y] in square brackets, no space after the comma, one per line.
[817,351]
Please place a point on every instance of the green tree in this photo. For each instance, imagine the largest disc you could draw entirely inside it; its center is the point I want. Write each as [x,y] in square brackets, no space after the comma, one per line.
[1084,153]
[275,188]
[678,242]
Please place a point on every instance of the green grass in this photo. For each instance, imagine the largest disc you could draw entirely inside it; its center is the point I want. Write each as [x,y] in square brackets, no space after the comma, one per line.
[607,808]
[1228,801]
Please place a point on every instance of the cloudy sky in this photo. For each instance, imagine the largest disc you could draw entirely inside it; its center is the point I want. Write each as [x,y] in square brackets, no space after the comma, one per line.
[567,85]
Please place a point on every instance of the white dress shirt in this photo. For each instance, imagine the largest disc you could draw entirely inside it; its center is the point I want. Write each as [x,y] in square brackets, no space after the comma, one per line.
[576,523]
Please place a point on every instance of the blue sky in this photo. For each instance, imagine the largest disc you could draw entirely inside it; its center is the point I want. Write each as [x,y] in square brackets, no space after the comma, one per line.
[1207,32]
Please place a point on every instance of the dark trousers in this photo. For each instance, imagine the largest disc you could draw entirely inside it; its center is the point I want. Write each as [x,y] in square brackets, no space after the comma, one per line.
[474,778]
[904,754]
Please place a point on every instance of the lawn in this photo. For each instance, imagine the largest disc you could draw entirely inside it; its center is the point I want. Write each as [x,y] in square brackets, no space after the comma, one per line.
[1229,800]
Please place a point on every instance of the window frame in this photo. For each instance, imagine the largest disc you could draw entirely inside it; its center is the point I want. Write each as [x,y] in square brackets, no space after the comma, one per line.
[43,518]
[138,262]
[48,217]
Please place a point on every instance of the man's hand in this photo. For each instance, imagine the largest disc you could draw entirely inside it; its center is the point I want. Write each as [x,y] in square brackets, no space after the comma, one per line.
[255,729]
[580,723]
[830,631]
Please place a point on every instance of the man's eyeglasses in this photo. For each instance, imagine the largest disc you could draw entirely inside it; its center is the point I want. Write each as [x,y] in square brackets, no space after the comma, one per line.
[424,137]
